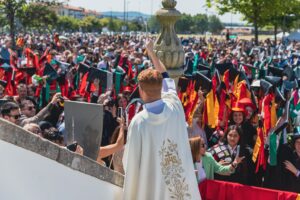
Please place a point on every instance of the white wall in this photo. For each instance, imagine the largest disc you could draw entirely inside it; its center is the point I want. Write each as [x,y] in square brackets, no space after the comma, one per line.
[25,175]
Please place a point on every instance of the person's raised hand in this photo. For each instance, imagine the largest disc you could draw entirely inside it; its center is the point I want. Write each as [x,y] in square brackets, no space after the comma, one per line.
[149,45]
[289,166]
[238,160]
[55,98]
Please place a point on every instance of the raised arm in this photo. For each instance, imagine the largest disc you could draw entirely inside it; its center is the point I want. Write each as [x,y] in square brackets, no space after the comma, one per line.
[158,65]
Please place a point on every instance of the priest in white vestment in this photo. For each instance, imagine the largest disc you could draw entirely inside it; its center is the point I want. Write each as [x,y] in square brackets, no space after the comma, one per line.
[157,159]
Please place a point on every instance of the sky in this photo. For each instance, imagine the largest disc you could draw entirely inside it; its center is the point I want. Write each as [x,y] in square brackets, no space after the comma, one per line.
[151,6]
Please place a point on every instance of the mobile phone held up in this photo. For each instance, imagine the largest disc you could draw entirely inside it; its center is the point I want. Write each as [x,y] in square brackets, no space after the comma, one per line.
[120,112]
[72,147]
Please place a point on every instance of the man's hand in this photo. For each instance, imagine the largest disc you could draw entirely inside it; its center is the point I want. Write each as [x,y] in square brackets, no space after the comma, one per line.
[149,46]
[55,98]
[158,65]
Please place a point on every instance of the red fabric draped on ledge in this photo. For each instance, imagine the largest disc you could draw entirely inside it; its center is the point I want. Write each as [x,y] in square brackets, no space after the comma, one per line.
[219,190]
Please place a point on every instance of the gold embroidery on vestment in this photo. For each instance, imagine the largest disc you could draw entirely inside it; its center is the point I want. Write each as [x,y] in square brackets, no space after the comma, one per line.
[172,170]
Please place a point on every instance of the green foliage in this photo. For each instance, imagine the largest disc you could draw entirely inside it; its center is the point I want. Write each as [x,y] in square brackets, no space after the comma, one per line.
[66,23]
[261,12]
[153,24]
[215,25]
[200,23]
[37,16]
[13,8]
[90,24]
[184,24]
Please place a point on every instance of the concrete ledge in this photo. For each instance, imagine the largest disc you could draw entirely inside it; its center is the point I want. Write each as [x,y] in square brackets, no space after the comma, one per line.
[16,135]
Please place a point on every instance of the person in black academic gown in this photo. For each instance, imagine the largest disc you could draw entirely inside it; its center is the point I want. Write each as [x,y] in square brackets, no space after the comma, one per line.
[292,165]
[286,175]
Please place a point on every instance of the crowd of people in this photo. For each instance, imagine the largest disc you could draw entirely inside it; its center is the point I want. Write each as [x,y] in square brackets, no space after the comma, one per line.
[240,99]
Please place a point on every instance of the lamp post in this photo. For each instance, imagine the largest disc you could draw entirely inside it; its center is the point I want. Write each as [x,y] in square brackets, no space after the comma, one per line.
[124,11]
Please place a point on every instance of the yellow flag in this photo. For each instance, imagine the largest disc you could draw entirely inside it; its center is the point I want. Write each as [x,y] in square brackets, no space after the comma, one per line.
[210,109]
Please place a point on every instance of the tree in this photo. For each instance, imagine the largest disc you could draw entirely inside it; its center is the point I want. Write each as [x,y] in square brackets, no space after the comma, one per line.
[12,8]
[200,23]
[111,25]
[90,24]
[153,24]
[254,11]
[66,23]
[215,25]
[284,15]
[37,16]
[184,24]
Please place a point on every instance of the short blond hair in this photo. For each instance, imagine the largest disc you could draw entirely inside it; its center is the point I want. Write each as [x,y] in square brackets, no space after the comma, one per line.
[150,81]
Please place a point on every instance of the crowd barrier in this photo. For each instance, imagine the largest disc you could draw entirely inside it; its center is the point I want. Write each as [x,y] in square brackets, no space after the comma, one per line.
[219,190]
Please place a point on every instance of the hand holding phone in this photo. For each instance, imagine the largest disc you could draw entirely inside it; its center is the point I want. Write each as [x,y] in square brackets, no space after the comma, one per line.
[120,112]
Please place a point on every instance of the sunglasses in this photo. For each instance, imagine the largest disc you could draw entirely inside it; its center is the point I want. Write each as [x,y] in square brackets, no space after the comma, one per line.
[16,117]
[30,108]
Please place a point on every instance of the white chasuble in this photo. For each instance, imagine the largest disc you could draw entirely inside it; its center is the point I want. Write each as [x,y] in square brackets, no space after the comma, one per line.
[157,159]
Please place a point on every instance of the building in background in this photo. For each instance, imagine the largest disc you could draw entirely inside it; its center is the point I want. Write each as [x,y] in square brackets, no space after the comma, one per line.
[76,12]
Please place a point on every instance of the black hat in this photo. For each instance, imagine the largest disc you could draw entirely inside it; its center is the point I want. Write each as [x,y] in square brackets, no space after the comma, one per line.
[28,70]
[274,80]
[202,81]
[265,86]
[95,73]
[201,67]
[279,96]
[83,68]
[233,72]
[3,83]
[50,71]
[205,73]
[275,71]
[223,67]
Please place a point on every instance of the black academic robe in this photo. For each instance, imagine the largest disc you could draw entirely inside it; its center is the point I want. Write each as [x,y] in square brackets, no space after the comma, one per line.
[277,177]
